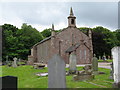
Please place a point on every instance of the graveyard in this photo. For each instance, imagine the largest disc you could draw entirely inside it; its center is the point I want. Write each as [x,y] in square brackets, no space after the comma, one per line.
[72,57]
[27,78]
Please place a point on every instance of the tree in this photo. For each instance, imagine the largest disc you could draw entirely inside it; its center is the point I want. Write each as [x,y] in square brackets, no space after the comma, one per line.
[102,38]
[103,41]
[18,42]
[117,35]
[9,40]
[46,33]
[84,30]
[27,37]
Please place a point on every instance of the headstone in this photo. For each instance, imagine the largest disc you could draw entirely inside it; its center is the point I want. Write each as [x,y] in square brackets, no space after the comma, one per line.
[72,64]
[56,72]
[95,65]
[99,57]
[14,62]
[85,74]
[9,82]
[104,58]
[38,66]
[112,71]
[30,60]
[116,66]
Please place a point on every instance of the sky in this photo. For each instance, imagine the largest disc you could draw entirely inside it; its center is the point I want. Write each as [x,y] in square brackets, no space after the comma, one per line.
[41,15]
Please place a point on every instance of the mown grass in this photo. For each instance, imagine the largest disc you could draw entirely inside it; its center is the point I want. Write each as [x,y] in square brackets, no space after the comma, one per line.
[108,60]
[28,79]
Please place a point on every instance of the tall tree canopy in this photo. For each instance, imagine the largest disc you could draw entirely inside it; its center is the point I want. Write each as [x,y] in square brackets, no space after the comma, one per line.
[46,33]
[17,42]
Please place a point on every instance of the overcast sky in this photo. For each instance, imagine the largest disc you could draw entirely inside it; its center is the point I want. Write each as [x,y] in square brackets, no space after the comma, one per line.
[42,14]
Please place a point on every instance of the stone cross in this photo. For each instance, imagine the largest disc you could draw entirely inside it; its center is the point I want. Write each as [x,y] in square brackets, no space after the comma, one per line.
[72,63]
[95,64]
[56,72]
[15,62]
[116,66]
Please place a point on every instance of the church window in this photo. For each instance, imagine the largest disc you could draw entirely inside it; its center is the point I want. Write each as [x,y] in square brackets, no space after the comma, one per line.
[72,21]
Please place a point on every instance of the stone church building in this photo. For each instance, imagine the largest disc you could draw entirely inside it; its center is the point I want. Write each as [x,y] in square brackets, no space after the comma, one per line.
[69,40]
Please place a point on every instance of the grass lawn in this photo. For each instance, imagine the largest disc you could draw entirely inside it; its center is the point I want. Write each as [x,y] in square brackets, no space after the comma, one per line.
[28,79]
[109,60]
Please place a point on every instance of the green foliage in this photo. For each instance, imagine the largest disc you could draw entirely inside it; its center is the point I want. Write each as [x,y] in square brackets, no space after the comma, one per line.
[84,30]
[46,33]
[109,60]
[9,40]
[18,42]
[103,39]
[117,35]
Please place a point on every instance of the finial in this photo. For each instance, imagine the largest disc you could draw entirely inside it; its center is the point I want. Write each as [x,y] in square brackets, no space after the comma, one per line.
[52,26]
[94,55]
[71,11]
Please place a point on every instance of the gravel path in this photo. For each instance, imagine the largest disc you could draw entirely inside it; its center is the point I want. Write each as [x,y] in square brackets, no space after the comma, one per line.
[104,65]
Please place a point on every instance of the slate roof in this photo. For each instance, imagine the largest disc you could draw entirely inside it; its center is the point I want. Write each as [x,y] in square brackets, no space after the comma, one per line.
[72,48]
[43,41]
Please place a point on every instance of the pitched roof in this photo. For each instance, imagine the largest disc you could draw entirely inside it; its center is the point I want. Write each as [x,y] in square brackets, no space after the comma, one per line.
[72,48]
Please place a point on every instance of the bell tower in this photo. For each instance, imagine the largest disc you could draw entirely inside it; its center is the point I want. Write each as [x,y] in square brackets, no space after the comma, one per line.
[71,19]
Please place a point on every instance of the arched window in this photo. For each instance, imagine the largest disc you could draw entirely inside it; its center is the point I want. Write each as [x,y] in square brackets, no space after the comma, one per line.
[72,21]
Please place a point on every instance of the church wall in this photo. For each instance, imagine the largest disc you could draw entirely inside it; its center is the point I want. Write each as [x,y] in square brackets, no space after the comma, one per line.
[66,41]
[60,43]
[43,51]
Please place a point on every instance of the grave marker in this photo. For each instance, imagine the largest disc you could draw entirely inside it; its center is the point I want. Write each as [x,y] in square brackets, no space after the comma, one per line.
[72,64]
[95,65]
[116,66]
[112,71]
[56,72]
[9,82]
[14,62]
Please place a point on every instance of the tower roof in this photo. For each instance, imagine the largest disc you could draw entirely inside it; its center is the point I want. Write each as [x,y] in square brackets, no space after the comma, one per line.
[71,12]
[52,26]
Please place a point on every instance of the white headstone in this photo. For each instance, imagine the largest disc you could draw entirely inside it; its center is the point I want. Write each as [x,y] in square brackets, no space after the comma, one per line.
[72,64]
[15,62]
[116,64]
[56,72]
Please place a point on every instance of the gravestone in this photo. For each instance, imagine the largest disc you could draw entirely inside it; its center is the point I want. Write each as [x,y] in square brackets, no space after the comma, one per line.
[99,57]
[104,58]
[72,64]
[56,72]
[116,66]
[112,71]
[30,60]
[9,82]
[14,62]
[95,65]
[85,74]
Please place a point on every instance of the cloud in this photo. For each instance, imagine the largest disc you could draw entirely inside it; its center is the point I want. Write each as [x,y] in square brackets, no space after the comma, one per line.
[42,14]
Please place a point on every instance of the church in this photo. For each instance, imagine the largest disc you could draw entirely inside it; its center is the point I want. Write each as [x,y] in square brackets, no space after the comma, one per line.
[65,42]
